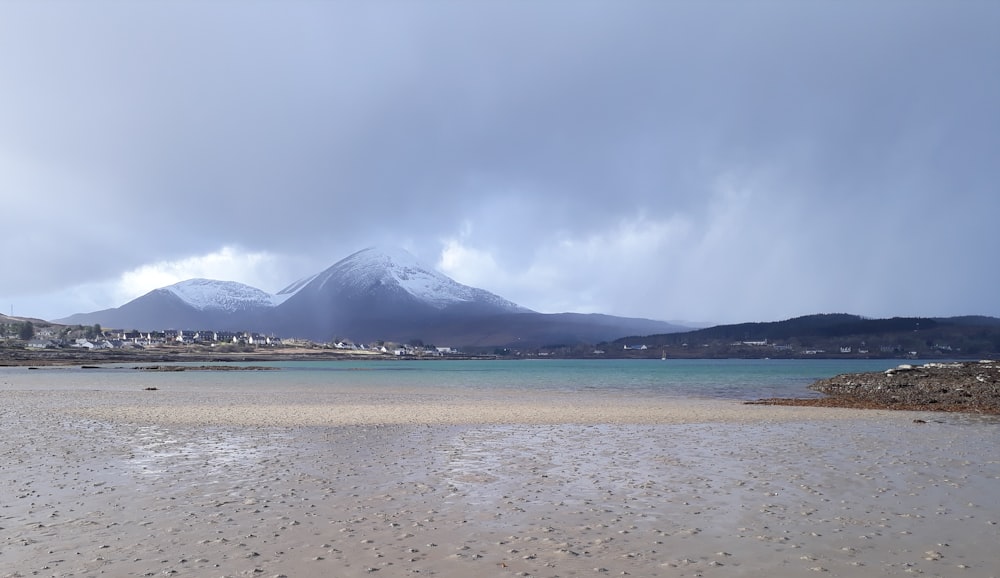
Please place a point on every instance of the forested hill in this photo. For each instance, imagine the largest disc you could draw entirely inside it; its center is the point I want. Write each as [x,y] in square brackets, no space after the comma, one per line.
[830,333]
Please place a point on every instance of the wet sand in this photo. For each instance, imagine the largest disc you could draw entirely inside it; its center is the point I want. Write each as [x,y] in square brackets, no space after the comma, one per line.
[99,480]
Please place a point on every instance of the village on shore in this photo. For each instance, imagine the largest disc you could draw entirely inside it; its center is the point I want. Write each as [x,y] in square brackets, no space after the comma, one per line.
[43,340]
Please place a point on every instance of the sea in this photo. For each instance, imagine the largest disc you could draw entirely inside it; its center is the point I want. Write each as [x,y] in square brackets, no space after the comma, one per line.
[731,379]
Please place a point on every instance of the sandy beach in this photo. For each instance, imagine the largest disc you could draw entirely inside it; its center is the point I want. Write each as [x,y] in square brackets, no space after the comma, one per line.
[98,480]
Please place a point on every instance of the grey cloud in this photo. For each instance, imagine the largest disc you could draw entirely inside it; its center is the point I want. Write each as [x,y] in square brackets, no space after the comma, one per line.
[325,127]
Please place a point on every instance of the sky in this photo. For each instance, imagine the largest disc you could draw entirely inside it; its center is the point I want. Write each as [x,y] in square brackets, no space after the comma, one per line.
[708,161]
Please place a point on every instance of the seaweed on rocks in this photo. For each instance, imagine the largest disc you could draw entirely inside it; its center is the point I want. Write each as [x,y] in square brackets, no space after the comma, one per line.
[972,387]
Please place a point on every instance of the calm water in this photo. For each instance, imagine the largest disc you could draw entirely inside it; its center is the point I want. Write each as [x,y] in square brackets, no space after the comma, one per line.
[725,379]
[729,379]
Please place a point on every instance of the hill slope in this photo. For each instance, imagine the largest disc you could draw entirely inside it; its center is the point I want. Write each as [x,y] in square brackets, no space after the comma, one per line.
[828,333]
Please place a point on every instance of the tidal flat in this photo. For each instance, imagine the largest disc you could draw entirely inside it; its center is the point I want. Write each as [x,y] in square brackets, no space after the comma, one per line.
[102,479]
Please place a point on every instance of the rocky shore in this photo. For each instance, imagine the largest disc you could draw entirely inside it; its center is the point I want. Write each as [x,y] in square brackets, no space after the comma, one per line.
[972,387]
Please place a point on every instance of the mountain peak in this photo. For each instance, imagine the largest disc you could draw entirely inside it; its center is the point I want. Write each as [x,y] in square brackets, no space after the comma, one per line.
[369,258]
[394,255]
[209,294]
[385,268]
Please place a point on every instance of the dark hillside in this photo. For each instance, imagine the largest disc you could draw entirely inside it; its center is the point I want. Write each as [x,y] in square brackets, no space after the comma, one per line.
[836,335]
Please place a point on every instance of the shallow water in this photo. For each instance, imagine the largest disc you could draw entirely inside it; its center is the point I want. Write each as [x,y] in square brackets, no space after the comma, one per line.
[716,379]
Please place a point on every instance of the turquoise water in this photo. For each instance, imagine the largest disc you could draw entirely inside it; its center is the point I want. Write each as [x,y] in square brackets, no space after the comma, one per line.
[728,379]
[693,378]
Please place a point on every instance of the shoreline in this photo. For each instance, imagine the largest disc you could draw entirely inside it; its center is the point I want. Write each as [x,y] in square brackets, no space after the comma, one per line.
[16,357]
[846,403]
[967,387]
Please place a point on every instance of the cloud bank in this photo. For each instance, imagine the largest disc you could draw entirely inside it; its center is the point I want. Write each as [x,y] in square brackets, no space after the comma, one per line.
[707,161]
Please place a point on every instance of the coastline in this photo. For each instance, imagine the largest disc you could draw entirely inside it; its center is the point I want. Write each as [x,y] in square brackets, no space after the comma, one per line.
[17,357]
[55,358]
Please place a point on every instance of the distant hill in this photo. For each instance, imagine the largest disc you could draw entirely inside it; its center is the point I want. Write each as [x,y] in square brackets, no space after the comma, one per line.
[191,304]
[373,294]
[828,333]
[5,319]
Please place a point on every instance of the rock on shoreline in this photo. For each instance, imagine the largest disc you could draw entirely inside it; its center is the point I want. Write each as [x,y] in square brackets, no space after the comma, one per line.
[204,368]
[965,387]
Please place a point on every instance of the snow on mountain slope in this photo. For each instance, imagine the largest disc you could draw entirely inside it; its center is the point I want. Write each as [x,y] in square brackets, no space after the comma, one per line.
[208,294]
[283,295]
[377,266]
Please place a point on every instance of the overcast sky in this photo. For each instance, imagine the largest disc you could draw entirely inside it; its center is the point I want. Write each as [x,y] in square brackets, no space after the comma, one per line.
[703,161]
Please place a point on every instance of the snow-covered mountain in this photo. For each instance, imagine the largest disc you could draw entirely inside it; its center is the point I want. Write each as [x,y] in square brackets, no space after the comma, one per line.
[212,295]
[380,269]
[375,293]
[380,293]
[192,304]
